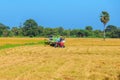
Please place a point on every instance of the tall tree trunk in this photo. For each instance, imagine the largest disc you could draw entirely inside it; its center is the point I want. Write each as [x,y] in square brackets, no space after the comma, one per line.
[104,35]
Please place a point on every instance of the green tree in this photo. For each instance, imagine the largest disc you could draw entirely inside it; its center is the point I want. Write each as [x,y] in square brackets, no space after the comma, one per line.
[118,32]
[66,33]
[30,28]
[4,30]
[89,31]
[89,28]
[111,28]
[48,31]
[15,31]
[5,33]
[97,33]
[74,33]
[40,30]
[104,18]
[110,31]
[60,30]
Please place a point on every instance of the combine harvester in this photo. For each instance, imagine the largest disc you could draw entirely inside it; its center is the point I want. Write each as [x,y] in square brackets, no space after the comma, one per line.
[55,41]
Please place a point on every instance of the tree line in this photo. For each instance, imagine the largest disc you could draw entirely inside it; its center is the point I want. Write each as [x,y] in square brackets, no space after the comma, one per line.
[30,28]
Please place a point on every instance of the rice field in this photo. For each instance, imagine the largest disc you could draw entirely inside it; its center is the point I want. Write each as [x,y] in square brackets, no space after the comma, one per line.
[81,59]
[4,41]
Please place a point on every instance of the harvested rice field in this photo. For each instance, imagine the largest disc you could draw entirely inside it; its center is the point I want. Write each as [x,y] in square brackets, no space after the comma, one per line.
[81,59]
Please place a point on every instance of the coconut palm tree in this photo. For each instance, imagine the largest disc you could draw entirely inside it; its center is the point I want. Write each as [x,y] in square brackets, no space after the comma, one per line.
[104,18]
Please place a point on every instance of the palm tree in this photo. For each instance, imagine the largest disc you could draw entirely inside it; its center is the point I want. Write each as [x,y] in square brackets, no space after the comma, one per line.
[104,19]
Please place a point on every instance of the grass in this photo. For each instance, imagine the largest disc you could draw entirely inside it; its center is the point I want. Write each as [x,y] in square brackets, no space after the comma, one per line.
[17,45]
[16,42]
[8,40]
[82,59]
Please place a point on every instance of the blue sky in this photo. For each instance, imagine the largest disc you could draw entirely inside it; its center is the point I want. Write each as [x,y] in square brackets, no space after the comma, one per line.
[53,13]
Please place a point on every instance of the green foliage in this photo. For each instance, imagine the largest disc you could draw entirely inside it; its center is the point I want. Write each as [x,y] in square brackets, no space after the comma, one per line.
[89,28]
[66,33]
[4,30]
[112,31]
[15,31]
[104,17]
[97,34]
[30,28]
